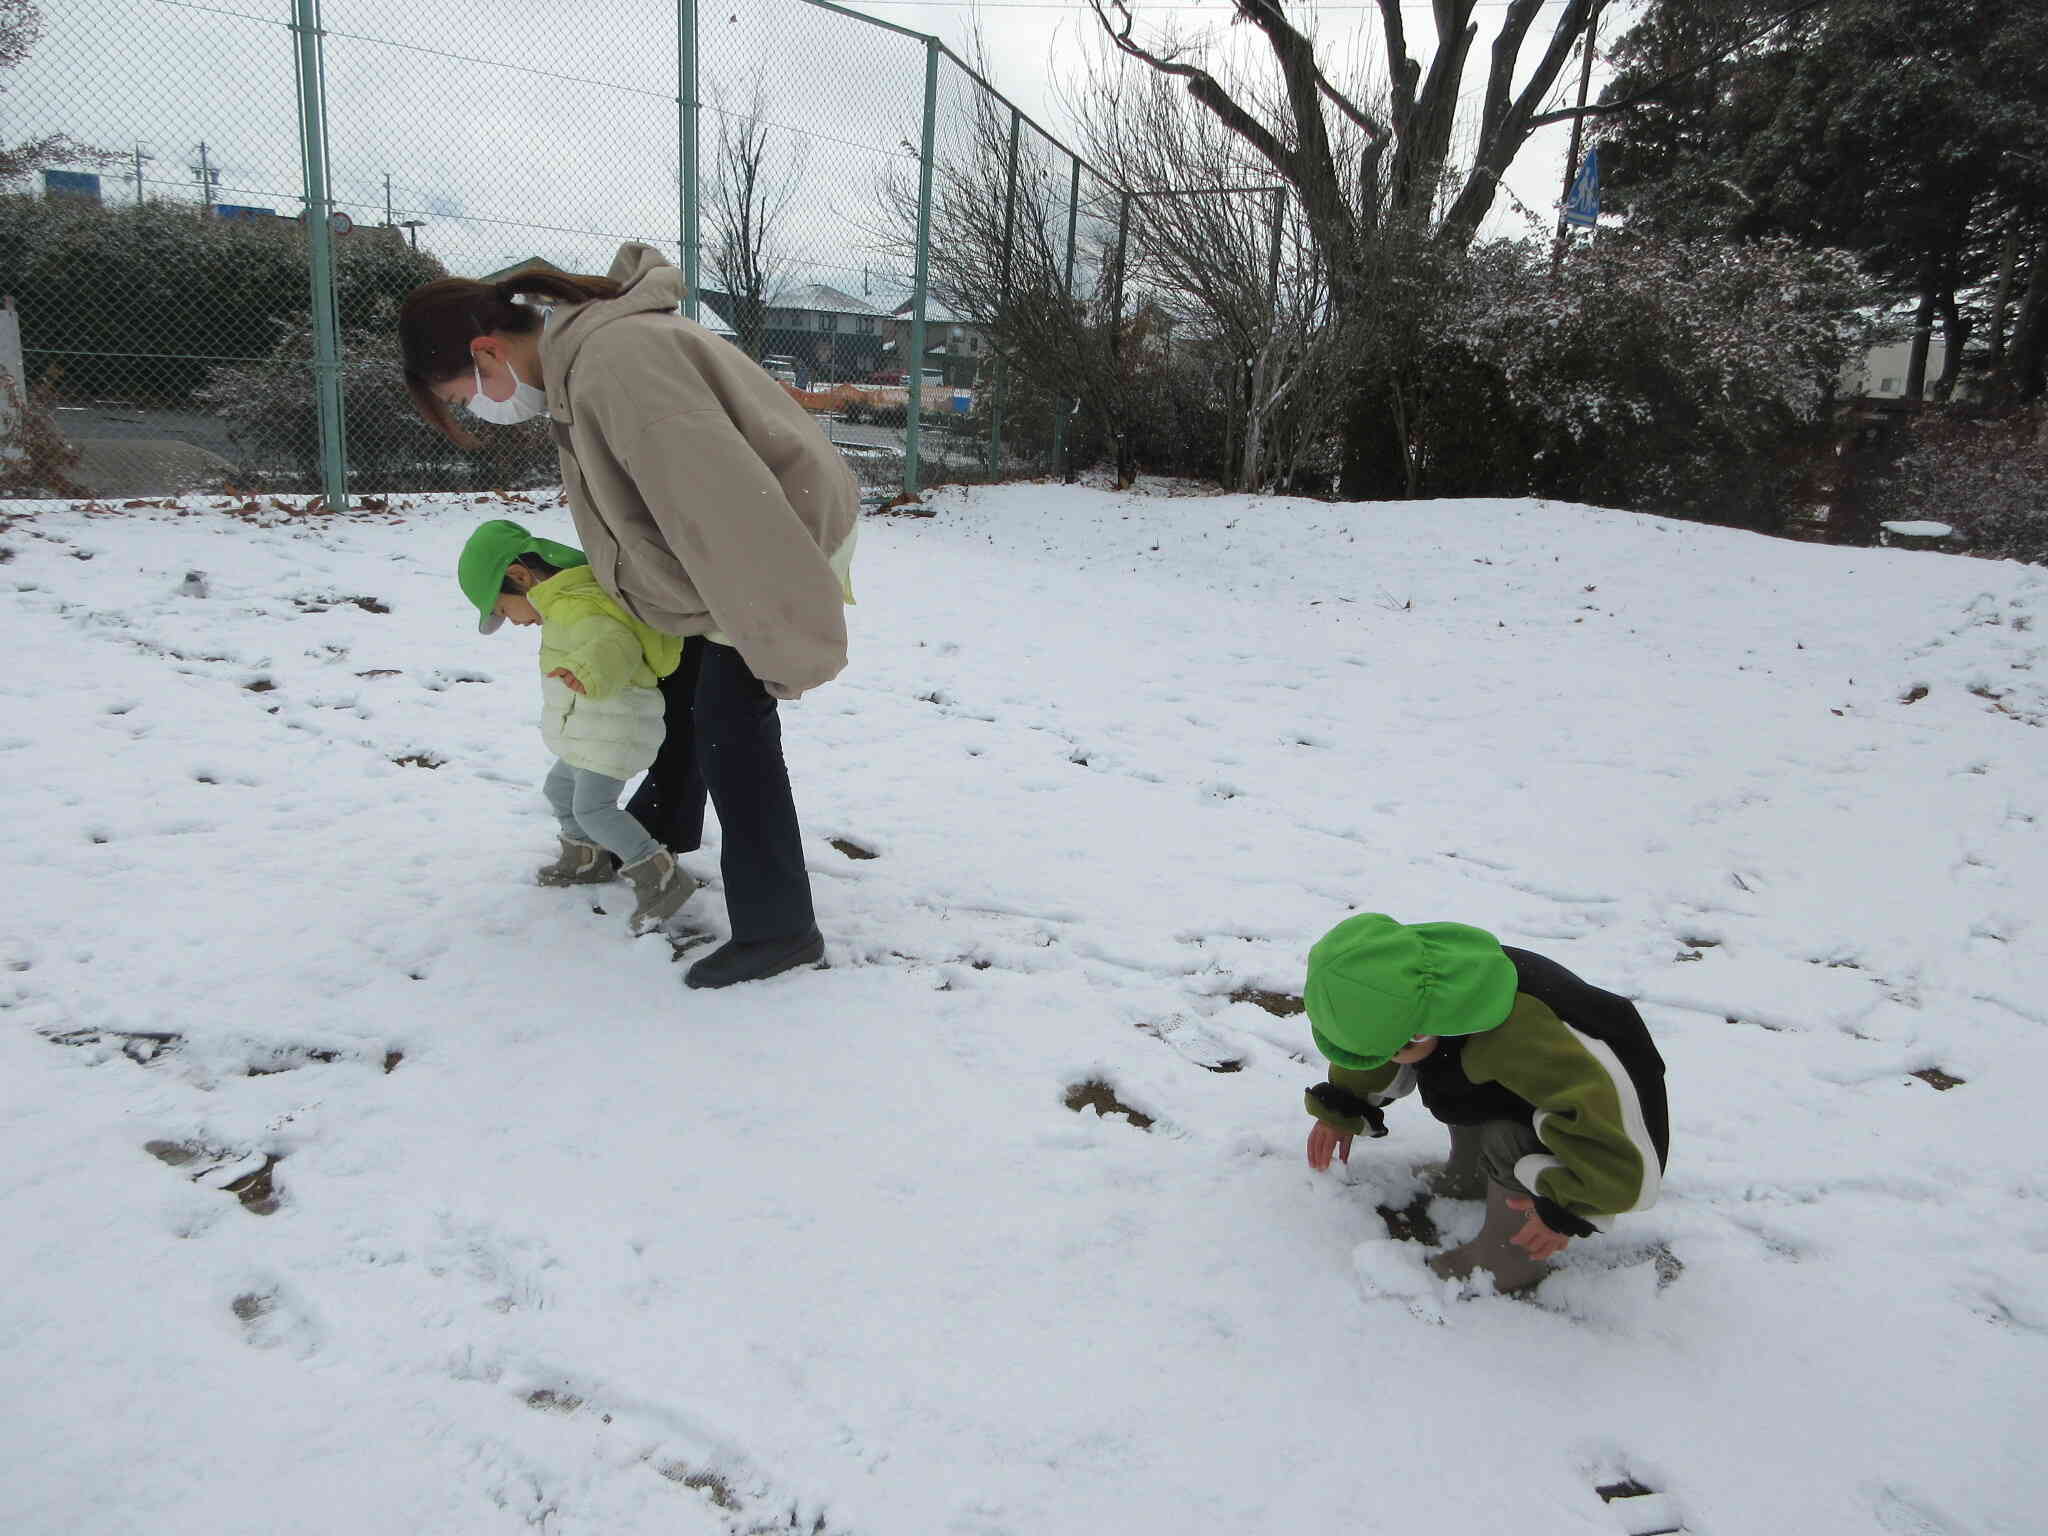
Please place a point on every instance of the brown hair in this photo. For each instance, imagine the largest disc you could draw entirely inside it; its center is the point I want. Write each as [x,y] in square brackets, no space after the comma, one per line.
[440,319]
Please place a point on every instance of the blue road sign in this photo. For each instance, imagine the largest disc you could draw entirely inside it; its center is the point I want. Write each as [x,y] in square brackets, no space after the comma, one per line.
[1582,206]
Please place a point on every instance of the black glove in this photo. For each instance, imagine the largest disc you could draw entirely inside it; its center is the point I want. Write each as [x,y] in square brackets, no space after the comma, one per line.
[1340,1101]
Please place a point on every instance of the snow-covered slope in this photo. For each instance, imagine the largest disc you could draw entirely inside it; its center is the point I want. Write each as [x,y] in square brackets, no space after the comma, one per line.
[527,1237]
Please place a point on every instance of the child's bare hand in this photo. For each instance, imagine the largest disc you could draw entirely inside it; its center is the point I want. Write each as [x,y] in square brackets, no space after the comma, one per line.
[1324,1140]
[1535,1239]
[568,677]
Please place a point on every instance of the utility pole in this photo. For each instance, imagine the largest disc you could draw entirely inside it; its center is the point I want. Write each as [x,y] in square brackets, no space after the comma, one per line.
[139,158]
[207,176]
[1571,159]
[387,200]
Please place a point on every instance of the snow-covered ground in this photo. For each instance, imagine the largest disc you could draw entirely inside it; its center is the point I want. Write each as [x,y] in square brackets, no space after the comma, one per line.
[524,1236]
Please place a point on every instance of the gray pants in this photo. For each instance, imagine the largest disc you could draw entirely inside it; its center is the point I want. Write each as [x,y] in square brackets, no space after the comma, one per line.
[1502,1144]
[587,806]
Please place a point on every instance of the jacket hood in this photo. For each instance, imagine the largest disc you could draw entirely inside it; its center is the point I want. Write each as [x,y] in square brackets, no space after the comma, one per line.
[652,282]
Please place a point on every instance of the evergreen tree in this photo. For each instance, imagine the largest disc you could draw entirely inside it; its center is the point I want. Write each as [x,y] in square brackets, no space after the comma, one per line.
[1909,132]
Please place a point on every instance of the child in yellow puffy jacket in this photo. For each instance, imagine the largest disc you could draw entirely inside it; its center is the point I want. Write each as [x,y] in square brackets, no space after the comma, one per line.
[601,706]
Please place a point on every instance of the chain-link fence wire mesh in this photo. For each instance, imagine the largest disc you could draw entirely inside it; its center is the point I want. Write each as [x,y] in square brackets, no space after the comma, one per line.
[807,116]
[838,159]
[495,144]
[159,281]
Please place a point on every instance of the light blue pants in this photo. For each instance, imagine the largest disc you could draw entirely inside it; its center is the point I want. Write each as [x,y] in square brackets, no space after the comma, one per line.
[587,806]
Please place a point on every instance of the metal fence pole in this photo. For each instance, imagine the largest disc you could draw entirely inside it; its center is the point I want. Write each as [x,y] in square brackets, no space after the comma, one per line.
[995,422]
[327,394]
[914,375]
[686,145]
[1059,420]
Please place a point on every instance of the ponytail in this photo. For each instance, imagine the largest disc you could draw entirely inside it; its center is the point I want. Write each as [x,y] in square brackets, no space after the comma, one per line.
[562,287]
[440,319]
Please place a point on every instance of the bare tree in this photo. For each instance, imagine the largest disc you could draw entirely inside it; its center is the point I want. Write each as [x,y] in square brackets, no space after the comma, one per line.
[1221,246]
[1385,185]
[998,256]
[752,187]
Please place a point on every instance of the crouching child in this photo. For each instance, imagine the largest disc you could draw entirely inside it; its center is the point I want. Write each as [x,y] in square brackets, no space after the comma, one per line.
[1552,1088]
[601,707]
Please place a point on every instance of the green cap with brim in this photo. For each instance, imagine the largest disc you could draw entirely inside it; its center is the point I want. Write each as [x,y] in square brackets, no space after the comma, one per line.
[1375,984]
[490,553]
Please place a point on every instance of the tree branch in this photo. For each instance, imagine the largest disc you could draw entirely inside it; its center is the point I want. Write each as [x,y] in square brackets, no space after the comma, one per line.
[1202,85]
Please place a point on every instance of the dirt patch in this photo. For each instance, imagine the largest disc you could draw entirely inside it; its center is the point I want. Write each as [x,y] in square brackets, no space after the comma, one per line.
[904,506]
[391,1061]
[1914,694]
[1939,1080]
[1099,1096]
[289,1059]
[1411,1223]
[682,941]
[261,685]
[1282,1005]
[321,602]
[1627,1488]
[258,1190]
[139,1046]
[249,1306]
[419,760]
[710,1484]
[380,672]
[553,1402]
[852,849]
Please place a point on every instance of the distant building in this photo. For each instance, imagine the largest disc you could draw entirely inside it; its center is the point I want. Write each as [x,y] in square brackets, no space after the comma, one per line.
[953,344]
[831,336]
[1880,374]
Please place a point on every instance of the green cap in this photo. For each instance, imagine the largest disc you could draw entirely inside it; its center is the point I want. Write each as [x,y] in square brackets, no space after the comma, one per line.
[1375,984]
[490,553]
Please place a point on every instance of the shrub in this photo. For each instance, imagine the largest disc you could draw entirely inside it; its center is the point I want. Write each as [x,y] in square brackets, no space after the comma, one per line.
[1984,475]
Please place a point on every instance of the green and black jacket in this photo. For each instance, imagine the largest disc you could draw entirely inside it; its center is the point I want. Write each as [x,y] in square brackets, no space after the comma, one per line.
[1574,1063]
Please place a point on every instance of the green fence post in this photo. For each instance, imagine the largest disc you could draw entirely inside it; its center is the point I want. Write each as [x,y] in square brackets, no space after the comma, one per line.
[914,367]
[327,394]
[995,419]
[686,146]
[1059,420]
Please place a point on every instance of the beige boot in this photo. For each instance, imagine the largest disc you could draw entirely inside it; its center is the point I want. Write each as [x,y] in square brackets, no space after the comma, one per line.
[662,888]
[581,863]
[1511,1268]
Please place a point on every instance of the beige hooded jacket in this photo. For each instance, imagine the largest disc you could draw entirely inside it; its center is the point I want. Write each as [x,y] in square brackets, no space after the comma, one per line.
[708,502]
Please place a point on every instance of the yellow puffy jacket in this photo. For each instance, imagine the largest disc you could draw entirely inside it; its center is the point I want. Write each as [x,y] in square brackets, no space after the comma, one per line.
[614,727]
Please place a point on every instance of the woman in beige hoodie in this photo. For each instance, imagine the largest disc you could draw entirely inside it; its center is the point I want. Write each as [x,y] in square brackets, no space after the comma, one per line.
[711,507]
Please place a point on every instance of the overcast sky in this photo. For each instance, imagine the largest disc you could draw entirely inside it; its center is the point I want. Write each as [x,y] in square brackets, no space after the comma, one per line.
[549,127]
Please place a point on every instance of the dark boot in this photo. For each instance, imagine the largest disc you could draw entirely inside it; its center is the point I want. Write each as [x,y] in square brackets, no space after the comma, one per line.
[1511,1268]
[743,960]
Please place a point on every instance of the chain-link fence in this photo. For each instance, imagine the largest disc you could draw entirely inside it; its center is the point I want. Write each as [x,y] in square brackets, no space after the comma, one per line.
[207,268]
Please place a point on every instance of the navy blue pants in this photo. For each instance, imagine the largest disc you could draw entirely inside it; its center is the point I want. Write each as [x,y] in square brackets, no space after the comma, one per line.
[725,742]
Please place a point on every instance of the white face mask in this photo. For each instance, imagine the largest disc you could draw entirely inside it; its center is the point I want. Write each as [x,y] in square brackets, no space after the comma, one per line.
[525,402]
